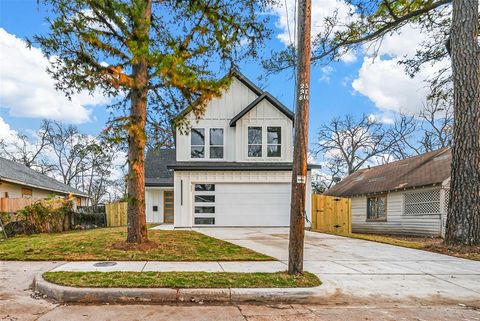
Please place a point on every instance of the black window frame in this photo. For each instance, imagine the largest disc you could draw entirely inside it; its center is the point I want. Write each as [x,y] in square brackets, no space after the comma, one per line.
[211,219]
[278,144]
[197,198]
[204,188]
[215,146]
[195,146]
[211,207]
[255,144]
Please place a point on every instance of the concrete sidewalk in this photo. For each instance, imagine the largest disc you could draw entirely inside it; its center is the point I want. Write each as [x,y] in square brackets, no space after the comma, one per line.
[159,266]
[353,270]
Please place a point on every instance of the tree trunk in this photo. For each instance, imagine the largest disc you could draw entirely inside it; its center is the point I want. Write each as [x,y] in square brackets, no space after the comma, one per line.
[463,220]
[137,226]
[299,171]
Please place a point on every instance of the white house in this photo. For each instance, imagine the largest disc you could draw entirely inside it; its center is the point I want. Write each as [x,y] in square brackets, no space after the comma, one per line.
[409,196]
[232,168]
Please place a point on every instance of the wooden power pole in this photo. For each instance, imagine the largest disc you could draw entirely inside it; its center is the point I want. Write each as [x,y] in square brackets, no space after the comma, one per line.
[299,172]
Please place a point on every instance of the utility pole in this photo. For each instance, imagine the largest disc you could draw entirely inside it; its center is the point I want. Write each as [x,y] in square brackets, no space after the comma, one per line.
[299,172]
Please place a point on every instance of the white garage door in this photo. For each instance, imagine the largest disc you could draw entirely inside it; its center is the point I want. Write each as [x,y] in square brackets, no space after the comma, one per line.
[236,204]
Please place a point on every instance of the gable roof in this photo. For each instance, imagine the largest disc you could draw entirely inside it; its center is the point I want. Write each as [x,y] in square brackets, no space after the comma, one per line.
[16,173]
[287,112]
[234,72]
[156,171]
[423,170]
[247,82]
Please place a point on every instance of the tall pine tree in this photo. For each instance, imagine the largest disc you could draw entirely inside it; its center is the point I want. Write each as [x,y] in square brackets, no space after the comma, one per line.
[152,58]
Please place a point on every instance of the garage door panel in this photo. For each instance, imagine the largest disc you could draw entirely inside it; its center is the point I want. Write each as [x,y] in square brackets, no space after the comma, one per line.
[252,204]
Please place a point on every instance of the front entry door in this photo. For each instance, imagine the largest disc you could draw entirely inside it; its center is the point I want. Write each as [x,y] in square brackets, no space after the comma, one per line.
[168,206]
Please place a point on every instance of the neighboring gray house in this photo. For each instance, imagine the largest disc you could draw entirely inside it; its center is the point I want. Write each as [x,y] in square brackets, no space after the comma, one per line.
[409,196]
[17,181]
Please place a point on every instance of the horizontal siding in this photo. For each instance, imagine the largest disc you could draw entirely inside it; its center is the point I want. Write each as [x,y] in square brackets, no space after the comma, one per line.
[396,223]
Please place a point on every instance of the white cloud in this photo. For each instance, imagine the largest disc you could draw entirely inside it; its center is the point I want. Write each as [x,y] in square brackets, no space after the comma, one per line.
[7,134]
[325,73]
[320,10]
[403,43]
[28,91]
[384,81]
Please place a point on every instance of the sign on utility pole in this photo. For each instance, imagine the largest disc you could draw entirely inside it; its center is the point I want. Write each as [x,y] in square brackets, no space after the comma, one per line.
[299,172]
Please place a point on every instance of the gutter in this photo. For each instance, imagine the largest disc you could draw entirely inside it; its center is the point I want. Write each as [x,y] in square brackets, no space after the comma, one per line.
[42,187]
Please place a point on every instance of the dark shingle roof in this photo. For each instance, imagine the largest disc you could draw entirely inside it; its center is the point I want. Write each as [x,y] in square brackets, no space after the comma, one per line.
[156,171]
[234,166]
[422,170]
[20,174]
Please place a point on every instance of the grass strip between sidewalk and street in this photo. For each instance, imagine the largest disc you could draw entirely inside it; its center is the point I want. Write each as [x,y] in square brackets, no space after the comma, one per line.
[182,279]
[108,244]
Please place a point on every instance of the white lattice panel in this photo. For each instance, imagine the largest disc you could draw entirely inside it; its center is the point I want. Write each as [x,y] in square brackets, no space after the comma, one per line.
[418,203]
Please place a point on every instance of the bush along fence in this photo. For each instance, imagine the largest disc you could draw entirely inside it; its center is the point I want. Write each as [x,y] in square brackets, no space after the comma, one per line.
[51,215]
[87,217]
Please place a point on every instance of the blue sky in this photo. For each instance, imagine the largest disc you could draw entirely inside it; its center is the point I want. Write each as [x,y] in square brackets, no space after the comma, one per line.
[354,85]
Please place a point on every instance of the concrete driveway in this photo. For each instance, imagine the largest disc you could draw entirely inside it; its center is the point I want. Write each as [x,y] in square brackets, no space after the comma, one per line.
[358,271]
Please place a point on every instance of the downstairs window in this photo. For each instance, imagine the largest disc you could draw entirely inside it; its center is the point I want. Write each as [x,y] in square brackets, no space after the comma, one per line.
[377,208]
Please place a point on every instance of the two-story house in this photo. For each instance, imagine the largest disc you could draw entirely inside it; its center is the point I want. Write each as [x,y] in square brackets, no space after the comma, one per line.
[232,168]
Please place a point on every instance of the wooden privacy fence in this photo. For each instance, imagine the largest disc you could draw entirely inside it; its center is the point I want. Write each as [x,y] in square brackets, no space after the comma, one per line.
[116,214]
[331,214]
[13,205]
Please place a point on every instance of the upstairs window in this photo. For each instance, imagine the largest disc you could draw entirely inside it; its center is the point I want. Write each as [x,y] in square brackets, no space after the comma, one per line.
[377,208]
[216,142]
[274,141]
[197,143]
[254,141]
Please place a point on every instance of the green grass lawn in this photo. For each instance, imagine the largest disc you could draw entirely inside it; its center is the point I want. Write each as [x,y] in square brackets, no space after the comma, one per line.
[181,279]
[97,245]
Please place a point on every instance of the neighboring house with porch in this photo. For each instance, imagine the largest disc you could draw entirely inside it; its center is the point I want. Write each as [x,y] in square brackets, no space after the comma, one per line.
[232,168]
[21,185]
[409,196]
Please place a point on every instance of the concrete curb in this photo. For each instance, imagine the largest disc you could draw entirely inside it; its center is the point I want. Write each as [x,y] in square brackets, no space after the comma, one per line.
[69,294]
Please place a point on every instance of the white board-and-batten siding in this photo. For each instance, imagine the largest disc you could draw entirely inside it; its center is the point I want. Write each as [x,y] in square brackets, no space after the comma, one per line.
[397,222]
[220,111]
[154,197]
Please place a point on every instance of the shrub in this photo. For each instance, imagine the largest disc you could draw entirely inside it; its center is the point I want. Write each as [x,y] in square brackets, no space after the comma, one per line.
[49,215]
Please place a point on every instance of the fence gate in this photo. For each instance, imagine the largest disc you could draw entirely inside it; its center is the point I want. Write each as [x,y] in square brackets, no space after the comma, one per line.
[116,214]
[331,214]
